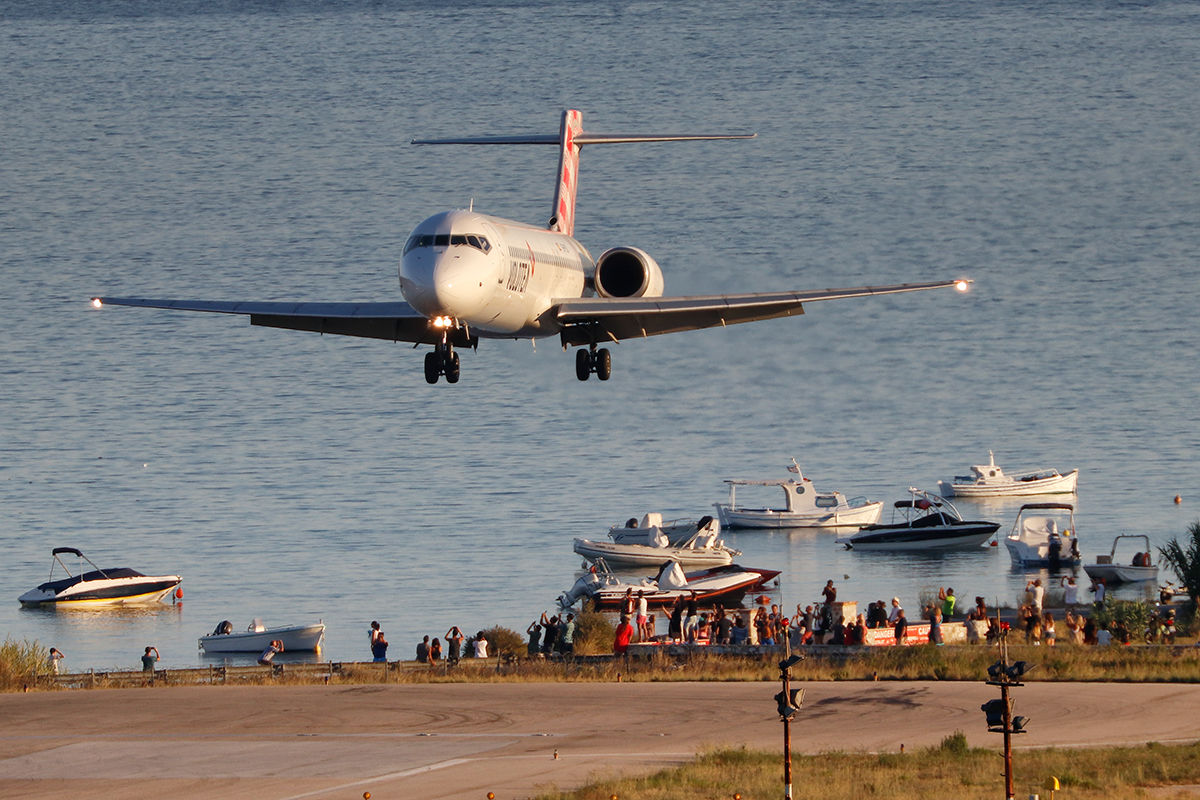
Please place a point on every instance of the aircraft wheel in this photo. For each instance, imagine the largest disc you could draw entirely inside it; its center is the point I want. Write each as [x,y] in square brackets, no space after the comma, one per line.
[583,364]
[603,364]
[453,368]
[433,367]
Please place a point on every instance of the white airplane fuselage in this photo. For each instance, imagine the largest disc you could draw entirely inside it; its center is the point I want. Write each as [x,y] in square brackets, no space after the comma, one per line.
[495,276]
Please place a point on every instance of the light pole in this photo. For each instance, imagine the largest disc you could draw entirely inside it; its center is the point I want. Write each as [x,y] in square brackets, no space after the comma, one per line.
[999,712]
[789,701]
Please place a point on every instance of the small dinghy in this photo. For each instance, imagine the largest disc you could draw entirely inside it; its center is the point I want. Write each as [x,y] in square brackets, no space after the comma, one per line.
[258,637]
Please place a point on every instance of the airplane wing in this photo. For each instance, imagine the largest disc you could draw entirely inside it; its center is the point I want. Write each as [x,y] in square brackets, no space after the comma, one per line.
[398,322]
[612,319]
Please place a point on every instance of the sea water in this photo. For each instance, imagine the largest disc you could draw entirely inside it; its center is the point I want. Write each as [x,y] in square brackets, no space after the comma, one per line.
[261,151]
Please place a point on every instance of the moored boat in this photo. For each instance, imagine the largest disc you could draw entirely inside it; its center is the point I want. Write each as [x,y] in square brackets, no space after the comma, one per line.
[651,525]
[114,586]
[1139,568]
[1047,540]
[926,522]
[258,637]
[702,548]
[804,506]
[726,584]
[989,480]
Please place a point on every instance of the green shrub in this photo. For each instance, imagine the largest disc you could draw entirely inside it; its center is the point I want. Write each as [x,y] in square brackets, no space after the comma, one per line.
[504,641]
[593,634]
[1185,563]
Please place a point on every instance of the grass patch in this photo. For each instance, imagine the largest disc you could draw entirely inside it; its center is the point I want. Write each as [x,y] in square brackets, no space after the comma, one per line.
[20,664]
[949,770]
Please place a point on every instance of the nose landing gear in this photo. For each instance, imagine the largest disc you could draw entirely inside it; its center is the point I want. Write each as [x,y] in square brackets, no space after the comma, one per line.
[442,361]
[593,360]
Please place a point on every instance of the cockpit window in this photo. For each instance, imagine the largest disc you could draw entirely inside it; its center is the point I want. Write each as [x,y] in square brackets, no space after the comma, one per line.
[448,240]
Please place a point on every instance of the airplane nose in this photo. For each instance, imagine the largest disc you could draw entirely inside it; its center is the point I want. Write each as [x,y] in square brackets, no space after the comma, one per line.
[451,283]
[458,285]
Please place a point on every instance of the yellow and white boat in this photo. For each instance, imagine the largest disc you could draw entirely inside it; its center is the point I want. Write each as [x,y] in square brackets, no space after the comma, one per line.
[116,586]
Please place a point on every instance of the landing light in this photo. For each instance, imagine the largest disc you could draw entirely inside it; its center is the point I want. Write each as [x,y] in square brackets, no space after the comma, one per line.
[962,285]
[96,302]
[442,322]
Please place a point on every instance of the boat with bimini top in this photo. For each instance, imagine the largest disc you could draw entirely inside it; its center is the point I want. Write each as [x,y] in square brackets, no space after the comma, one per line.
[1044,540]
[115,586]
[1138,568]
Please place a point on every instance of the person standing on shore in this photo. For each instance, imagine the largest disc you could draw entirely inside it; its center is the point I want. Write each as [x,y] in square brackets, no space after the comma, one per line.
[53,659]
[423,651]
[948,601]
[149,658]
[643,615]
[622,637]
[1101,590]
[454,640]
[901,626]
[534,647]
[566,639]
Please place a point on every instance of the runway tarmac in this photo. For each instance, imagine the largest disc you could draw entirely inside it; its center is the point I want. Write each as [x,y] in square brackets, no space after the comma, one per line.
[464,740]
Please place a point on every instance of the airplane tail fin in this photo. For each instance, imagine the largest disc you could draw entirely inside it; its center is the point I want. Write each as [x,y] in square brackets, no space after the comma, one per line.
[570,139]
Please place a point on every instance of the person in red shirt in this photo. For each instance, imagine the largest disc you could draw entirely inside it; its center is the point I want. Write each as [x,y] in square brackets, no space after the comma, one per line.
[623,637]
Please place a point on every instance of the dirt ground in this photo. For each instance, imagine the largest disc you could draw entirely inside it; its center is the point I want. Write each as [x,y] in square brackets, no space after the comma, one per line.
[465,740]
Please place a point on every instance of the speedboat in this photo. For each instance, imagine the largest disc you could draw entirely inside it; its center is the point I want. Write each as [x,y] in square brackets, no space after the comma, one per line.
[100,587]
[726,585]
[926,522]
[1044,540]
[1139,567]
[702,548]
[258,637]
[988,480]
[804,506]
[647,531]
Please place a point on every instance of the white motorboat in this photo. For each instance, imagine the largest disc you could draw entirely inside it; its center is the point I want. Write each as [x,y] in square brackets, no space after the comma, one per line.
[258,637]
[100,587]
[804,506]
[926,522]
[988,480]
[702,548]
[726,584]
[677,531]
[1044,540]
[1138,568]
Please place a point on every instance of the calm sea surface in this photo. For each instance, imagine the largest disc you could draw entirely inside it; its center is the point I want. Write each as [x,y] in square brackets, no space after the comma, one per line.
[1049,151]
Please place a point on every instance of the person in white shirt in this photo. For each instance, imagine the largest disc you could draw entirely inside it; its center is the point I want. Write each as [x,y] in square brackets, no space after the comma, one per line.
[480,646]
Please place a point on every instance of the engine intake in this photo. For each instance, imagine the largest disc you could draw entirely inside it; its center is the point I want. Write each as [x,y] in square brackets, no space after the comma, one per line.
[627,272]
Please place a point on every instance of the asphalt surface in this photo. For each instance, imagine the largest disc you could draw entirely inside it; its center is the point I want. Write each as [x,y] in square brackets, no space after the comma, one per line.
[464,740]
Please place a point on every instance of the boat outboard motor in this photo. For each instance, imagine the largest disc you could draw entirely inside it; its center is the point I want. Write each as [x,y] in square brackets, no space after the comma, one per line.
[224,628]
[1054,551]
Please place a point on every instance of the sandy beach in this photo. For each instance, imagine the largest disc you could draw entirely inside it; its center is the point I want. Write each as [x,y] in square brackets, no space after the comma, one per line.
[464,740]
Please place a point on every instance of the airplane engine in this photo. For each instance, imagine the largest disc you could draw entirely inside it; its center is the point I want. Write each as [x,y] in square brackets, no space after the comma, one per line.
[627,272]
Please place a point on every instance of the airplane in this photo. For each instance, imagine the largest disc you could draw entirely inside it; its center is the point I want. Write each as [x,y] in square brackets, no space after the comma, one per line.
[467,276]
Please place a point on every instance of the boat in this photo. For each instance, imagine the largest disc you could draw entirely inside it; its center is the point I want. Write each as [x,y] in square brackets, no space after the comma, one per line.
[804,506]
[258,637]
[677,531]
[1044,540]
[115,586]
[702,548]
[988,480]
[726,584]
[1138,569]
[926,522]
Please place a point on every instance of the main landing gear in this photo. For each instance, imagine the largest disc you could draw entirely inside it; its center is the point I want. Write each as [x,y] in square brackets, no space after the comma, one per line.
[442,361]
[593,360]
